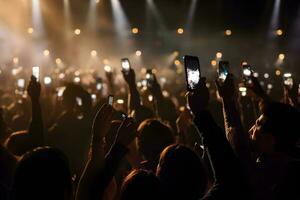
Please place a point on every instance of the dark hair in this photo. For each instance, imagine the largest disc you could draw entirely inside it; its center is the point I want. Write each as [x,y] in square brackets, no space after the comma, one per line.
[141,184]
[42,174]
[282,121]
[182,173]
[153,137]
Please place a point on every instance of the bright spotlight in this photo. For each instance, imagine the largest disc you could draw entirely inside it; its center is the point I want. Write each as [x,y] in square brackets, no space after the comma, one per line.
[138,53]
[219,55]
[77,31]
[135,30]
[47,80]
[180,31]
[281,56]
[213,63]
[228,32]
[107,68]
[279,32]
[46,52]
[94,53]
[177,62]
[58,61]
[30,30]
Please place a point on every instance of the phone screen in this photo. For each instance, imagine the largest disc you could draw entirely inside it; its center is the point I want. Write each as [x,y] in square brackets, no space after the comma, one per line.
[125,65]
[288,80]
[192,71]
[247,73]
[79,101]
[21,83]
[110,99]
[36,72]
[223,70]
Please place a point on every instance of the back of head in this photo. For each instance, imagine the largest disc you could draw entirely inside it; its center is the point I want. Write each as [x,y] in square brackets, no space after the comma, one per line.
[142,113]
[42,174]
[181,173]
[282,121]
[141,184]
[153,137]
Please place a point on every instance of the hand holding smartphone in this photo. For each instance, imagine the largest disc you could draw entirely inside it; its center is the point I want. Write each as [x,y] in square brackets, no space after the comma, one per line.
[223,70]
[192,71]
[110,100]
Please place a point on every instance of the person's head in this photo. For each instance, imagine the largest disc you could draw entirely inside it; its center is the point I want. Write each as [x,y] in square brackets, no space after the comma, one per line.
[42,174]
[181,173]
[142,113]
[111,135]
[153,137]
[276,130]
[141,184]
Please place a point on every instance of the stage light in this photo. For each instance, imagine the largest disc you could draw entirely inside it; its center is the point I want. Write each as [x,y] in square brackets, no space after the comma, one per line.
[94,53]
[77,79]
[58,61]
[180,31]
[61,76]
[269,86]
[228,32]
[30,30]
[77,31]
[281,56]
[213,63]
[138,53]
[279,32]
[46,52]
[150,98]
[266,75]
[219,55]
[255,74]
[47,80]
[107,68]
[278,72]
[16,60]
[135,30]
[77,73]
[244,63]
[177,62]
[97,1]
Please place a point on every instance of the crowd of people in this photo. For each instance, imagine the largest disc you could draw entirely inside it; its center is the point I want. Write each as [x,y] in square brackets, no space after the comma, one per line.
[69,141]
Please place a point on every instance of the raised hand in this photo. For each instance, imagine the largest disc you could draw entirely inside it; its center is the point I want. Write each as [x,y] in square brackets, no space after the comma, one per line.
[257,89]
[184,121]
[155,88]
[101,125]
[227,89]
[126,132]
[198,100]
[34,89]
[129,77]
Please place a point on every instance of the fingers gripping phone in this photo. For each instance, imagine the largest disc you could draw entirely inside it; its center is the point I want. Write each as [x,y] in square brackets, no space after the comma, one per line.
[125,65]
[192,72]
[223,70]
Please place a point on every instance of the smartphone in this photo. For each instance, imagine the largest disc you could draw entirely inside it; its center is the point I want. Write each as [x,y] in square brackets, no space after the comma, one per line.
[223,70]
[36,72]
[247,73]
[192,71]
[149,77]
[110,99]
[79,101]
[60,91]
[288,80]
[21,83]
[125,65]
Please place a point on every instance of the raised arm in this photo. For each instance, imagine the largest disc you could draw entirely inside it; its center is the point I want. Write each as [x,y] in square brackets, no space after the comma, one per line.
[100,171]
[235,133]
[224,163]
[133,96]
[36,128]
